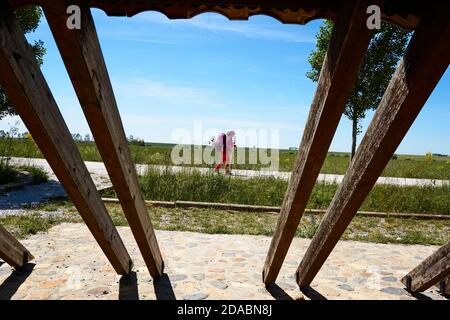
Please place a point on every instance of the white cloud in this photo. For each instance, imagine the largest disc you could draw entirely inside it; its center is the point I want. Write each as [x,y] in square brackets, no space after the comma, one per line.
[250,29]
[184,121]
[169,94]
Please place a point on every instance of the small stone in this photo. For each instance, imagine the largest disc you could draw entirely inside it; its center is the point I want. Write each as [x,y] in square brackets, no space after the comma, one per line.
[195,296]
[389,279]
[199,276]
[216,270]
[393,290]
[178,277]
[228,254]
[218,284]
[98,291]
[346,287]
[340,279]
[52,283]
[218,276]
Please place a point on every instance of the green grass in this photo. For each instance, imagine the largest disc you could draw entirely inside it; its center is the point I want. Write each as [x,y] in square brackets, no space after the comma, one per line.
[406,166]
[25,225]
[211,221]
[169,186]
[39,175]
[7,173]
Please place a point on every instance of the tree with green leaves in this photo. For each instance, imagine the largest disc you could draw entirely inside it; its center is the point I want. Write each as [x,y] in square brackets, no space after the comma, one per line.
[386,48]
[28,18]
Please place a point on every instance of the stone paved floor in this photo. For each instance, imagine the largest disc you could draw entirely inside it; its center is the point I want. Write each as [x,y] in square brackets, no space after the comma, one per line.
[69,265]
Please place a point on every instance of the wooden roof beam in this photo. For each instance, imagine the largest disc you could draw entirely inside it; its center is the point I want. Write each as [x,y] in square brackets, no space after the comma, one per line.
[12,251]
[404,13]
[28,91]
[348,45]
[84,61]
[433,269]
[425,61]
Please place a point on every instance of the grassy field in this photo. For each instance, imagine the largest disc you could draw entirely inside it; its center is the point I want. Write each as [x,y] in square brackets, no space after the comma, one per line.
[9,173]
[169,186]
[406,166]
[378,230]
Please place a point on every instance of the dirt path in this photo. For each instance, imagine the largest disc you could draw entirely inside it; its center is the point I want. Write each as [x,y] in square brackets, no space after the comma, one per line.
[100,175]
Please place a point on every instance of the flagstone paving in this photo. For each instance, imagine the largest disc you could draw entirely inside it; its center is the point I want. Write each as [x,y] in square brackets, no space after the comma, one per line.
[70,265]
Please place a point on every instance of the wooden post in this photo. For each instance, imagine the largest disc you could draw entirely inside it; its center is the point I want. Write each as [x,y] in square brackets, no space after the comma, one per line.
[82,55]
[28,91]
[433,269]
[12,251]
[348,45]
[444,286]
[425,61]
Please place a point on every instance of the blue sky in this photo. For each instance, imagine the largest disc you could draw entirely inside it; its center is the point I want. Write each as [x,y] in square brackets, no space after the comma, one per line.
[169,75]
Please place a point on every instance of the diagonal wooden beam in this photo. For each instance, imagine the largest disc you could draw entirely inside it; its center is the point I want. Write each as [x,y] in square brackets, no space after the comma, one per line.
[433,269]
[12,251]
[425,61]
[28,91]
[86,66]
[349,42]
[444,286]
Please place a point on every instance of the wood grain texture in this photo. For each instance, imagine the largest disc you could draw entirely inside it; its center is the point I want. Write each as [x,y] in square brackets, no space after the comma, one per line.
[425,61]
[433,269]
[349,42]
[405,13]
[444,286]
[12,251]
[28,91]
[84,61]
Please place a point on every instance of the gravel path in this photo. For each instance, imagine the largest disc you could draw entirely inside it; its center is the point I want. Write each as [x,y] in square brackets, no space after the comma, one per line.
[70,265]
[12,202]
[100,175]
[34,194]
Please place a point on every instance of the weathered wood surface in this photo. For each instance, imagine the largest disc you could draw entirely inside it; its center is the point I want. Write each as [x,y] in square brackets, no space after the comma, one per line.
[12,251]
[433,269]
[444,286]
[86,66]
[405,13]
[28,91]
[349,42]
[425,61]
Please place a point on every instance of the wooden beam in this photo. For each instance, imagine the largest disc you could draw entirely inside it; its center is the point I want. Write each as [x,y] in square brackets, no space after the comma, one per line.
[444,286]
[349,43]
[85,64]
[433,269]
[12,251]
[28,91]
[425,61]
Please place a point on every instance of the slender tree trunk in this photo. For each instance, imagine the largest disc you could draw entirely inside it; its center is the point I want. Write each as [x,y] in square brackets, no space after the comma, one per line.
[354,135]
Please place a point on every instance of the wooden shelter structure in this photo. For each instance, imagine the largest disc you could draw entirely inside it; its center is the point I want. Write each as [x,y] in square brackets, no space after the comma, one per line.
[426,59]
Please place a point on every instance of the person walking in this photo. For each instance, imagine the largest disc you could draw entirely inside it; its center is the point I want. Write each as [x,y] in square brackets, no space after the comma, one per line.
[224,145]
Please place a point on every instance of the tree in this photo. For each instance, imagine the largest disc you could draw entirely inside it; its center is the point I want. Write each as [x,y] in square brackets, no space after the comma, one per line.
[386,48]
[28,18]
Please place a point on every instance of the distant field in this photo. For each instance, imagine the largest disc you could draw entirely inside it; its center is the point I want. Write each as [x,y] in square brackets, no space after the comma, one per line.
[406,166]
